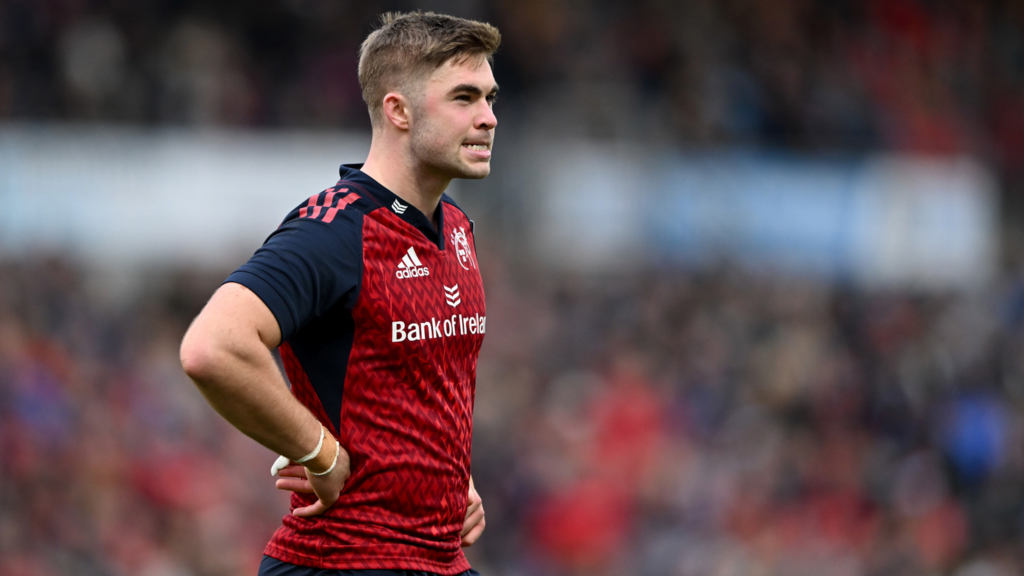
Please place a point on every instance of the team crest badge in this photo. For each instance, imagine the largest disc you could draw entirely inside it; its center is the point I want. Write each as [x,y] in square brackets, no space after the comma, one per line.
[462,248]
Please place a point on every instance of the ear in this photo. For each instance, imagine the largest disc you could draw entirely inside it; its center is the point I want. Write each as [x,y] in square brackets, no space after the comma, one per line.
[397,110]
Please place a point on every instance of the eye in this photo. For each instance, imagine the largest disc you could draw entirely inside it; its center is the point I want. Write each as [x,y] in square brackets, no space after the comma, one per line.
[463,98]
[491,99]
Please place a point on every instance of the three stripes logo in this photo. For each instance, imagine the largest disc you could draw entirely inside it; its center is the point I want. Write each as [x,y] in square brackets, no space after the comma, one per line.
[398,207]
[411,267]
[325,205]
[451,295]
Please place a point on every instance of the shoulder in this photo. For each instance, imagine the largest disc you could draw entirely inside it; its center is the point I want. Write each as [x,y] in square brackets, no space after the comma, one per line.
[326,221]
[335,212]
[339,205]
[448,200]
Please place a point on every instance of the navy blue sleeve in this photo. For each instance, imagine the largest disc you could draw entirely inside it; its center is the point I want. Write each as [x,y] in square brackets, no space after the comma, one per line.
[305,268]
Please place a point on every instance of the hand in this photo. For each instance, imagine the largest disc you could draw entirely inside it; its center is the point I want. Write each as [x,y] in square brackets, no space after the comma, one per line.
[327,488]
[474,525]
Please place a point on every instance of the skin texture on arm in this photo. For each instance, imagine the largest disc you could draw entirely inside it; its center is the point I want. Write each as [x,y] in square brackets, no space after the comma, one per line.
[226,352]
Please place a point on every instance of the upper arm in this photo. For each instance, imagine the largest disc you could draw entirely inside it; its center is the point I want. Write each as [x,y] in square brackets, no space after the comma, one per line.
[235,307]
[233,322]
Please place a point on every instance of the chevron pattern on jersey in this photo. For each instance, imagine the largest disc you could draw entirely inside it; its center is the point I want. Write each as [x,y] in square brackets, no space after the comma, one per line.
[302,389]
[325,205]
[406,412]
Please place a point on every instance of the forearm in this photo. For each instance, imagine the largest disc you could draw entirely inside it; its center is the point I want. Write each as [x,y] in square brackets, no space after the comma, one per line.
[247,389]
[226,352]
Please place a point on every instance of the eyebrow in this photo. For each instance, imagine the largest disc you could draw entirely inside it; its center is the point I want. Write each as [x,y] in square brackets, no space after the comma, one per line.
[473,89]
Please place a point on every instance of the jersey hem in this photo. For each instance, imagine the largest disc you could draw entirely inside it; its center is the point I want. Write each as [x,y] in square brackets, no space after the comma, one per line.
[374,563]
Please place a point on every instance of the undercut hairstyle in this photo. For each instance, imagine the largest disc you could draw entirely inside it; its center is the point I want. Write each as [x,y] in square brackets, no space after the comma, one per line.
[408,47]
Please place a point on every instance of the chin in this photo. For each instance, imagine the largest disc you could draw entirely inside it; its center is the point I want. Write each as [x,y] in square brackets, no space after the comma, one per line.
[478,173]
[472,171]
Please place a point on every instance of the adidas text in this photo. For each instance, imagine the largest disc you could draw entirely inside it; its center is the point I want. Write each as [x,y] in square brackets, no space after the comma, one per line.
[412,272]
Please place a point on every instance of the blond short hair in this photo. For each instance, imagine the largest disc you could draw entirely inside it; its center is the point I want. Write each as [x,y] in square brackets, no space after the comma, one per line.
[409,46]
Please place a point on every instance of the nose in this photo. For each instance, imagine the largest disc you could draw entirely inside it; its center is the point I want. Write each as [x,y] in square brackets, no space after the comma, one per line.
[486,120]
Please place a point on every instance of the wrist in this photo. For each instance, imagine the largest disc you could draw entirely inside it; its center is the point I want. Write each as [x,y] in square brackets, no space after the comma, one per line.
[326,458]
[316,451]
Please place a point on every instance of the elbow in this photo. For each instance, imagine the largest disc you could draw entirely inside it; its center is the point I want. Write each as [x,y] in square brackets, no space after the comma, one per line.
[198,358]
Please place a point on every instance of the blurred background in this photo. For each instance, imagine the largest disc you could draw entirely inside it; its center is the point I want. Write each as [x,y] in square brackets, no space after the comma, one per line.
[753,267]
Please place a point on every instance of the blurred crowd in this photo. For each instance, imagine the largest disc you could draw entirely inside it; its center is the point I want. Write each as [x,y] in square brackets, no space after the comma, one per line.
[727,422]
[668,424]
[943,76]
[111,463]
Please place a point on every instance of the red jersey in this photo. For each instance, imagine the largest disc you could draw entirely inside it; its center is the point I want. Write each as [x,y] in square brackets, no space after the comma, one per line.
[382,317]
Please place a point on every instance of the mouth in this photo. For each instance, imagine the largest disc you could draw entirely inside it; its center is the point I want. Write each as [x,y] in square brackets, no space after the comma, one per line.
[480,150]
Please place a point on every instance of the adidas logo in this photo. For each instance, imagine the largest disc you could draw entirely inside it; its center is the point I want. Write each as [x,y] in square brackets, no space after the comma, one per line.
[411,267]
[451,295]
[398,208]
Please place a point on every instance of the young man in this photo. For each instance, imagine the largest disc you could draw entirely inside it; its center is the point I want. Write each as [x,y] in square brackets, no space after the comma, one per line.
[372,293]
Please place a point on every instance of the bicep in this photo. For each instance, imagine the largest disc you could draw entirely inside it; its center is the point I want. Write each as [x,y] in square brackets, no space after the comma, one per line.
[237,313]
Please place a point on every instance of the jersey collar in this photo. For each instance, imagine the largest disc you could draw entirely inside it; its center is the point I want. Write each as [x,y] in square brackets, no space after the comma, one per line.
[388,200]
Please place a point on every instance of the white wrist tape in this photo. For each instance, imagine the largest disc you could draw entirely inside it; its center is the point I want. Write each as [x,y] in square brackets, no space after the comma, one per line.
[315,451]
[282,461]
[337,445]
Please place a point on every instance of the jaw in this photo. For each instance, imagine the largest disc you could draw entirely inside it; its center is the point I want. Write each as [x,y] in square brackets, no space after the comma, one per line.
[477,172]
[448,168]
[449,161]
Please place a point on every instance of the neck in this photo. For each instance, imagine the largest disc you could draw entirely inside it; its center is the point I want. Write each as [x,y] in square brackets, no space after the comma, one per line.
[396,170]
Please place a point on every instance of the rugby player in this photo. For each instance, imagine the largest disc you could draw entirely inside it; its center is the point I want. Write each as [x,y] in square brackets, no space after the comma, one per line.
[371,293]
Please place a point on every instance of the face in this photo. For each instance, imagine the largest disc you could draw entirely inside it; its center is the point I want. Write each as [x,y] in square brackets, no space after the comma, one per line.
[452,126]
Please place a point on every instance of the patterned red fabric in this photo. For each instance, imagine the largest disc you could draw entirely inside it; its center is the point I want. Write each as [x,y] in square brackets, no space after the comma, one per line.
[406,413]
[302,388]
